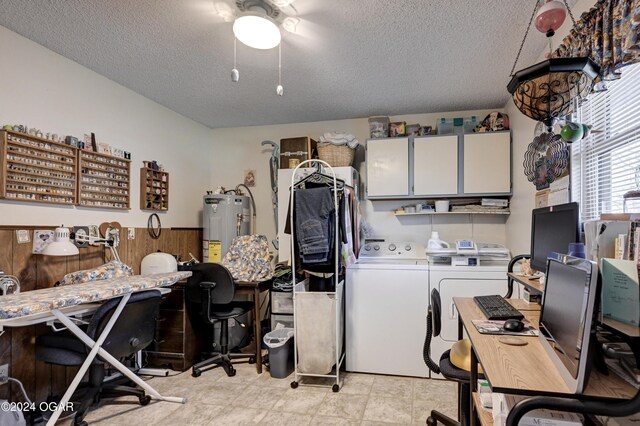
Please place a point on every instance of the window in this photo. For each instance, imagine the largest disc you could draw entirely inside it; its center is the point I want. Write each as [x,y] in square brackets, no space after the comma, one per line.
[606,164]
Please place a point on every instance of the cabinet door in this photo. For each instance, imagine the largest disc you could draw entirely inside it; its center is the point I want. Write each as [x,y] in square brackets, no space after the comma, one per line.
[387,167]
[487,163]
[435,165]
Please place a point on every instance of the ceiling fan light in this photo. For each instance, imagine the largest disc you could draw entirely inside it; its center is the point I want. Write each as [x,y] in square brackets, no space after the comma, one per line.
[257,31]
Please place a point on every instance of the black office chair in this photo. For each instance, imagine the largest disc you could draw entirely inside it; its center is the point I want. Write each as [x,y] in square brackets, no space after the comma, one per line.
[133,331]
[512,263]
[210,292]
[446,368]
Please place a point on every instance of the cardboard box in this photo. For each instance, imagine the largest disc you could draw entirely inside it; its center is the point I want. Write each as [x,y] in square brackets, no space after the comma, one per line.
[298,150]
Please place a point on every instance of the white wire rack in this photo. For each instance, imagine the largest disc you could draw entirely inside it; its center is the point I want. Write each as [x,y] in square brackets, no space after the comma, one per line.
[336,296]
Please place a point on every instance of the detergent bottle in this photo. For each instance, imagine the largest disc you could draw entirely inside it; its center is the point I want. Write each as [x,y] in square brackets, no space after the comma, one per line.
[435,242]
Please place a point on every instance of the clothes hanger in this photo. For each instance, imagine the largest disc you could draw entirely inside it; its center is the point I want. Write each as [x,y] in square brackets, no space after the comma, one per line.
[319,178]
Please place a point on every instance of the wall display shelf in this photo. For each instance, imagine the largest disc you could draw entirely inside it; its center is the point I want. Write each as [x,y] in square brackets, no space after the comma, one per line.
[37,170]
[154,189]
[506,212]
[104,181]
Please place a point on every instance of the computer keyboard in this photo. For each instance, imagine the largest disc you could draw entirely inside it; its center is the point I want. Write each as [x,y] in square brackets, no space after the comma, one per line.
[494,307]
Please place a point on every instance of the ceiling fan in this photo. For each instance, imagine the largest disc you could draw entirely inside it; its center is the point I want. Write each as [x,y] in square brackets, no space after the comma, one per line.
[256,23]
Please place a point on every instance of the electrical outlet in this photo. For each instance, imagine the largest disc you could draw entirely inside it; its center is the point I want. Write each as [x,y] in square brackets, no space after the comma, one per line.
[131,233]
[4,373]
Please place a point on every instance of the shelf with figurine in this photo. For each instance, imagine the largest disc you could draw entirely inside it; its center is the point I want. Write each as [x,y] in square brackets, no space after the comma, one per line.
[154,187]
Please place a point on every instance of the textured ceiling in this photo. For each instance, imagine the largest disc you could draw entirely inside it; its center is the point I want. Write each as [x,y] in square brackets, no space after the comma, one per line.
[348,58]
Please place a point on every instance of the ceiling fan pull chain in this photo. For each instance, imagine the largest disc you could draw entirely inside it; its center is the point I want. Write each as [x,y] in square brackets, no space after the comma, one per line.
[535,9]
[235,74]
[280,89]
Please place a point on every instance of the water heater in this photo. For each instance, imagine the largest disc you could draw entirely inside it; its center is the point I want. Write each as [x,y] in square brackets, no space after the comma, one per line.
[225,216]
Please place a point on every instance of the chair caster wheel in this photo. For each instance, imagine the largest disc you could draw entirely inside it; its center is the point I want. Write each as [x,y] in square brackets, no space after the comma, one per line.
[144,400]
[252,360]
[431,421]
[335,388]
[231,372]
[294,385]
[196,373]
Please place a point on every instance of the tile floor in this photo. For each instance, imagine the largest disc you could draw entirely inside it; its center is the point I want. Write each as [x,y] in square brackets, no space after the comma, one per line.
[249,398]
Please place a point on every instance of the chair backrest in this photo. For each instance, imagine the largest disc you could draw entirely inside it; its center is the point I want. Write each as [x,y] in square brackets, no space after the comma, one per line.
[433,330]
[135,328]
[223,291]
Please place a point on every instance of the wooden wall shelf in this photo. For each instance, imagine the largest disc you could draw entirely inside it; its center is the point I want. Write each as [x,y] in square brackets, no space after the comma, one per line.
[37,170]
[104,181]
[154,189]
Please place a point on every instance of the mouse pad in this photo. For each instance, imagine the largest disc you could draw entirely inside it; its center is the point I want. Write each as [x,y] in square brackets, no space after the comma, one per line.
[496,327]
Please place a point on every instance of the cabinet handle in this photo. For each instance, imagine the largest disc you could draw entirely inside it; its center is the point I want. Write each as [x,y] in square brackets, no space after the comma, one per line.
[160,319]
[160,341]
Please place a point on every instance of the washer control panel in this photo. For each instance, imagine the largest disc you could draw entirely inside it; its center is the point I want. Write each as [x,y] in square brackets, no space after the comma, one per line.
[393,250]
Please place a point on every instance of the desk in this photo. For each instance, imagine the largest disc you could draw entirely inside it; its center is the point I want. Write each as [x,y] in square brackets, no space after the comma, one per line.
[254,289]
[63,303]
[530,283]
[517,369]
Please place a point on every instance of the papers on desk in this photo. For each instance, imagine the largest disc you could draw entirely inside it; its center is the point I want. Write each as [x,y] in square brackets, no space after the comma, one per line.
[502,404]
[496,327]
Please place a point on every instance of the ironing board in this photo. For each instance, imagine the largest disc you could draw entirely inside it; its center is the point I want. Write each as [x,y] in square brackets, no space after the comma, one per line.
[63,303]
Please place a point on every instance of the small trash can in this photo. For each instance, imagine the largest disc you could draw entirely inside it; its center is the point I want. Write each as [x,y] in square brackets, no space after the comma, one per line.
[280,344]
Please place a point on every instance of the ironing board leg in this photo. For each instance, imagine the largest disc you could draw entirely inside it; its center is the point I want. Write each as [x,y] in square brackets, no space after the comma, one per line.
[96,349]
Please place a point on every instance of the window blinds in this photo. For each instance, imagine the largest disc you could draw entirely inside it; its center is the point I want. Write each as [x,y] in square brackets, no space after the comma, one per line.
[606,164]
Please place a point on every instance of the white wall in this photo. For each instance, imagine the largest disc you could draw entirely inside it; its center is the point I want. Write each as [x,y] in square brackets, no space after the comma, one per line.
[519,222]
[238,149]
[47,91]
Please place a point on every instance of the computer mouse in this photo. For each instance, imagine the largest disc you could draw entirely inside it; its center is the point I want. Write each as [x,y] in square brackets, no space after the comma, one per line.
[513,325]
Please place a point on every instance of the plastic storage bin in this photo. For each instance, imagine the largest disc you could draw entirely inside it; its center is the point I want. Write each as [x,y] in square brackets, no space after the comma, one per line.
[280,345]
[281,302]
[459,125]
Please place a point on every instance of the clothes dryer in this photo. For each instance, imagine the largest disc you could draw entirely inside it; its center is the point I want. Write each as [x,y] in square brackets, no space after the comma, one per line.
[490,277]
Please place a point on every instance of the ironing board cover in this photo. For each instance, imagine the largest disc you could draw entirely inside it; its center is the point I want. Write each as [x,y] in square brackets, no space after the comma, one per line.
[47,299]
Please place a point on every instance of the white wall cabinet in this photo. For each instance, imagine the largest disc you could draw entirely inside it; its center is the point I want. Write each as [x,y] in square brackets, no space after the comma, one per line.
[487,163]
[435,165]
[388,167]
[470,165]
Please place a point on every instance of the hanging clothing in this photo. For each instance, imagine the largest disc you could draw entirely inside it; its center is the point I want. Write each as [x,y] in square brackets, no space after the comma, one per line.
[315,217]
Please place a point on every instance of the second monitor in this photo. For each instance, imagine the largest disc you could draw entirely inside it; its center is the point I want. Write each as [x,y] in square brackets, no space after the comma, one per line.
[552,229]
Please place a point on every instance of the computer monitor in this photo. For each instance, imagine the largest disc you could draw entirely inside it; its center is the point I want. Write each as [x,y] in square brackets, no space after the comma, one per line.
[566,316]
[552,229]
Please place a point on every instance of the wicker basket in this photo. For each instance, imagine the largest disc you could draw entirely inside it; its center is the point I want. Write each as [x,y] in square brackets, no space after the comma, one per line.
[336,155]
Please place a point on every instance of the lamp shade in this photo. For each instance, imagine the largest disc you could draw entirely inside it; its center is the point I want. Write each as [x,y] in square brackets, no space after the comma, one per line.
[545,91]
[61,245]
[257,31]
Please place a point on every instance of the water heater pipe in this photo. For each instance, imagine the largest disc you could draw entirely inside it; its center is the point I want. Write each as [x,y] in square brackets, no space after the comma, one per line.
[253,205]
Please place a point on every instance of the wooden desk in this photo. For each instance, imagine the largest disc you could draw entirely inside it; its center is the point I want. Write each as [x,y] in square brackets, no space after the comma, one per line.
[254,289]
[531,284]
[527,370]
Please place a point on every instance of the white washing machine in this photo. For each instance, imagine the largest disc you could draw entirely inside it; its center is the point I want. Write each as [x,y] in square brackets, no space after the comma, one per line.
[387,295]
[490,277]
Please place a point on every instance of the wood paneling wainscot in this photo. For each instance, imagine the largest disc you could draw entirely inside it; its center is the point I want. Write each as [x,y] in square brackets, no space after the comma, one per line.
[17,345]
